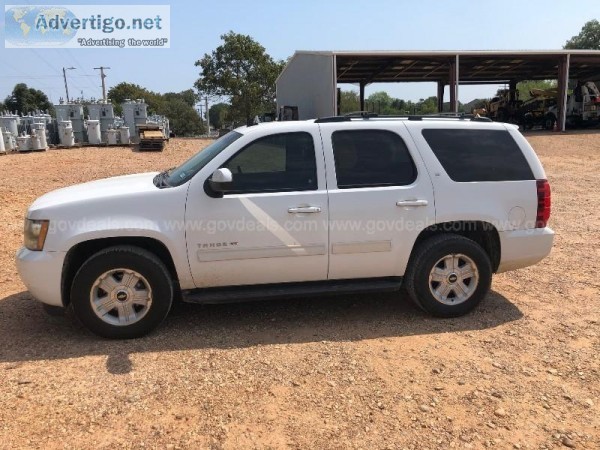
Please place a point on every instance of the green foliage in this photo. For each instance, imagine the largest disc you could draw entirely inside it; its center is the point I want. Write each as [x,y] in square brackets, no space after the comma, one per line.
[183,119]
[188,96]
[428,105]
[24,100]
[218,115]
[178,107]
[242,70]
[587,39]
[382,103]
[130,91]
[349,102]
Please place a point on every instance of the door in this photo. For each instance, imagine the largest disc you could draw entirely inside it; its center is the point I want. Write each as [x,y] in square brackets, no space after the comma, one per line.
[272,226]
[380,198]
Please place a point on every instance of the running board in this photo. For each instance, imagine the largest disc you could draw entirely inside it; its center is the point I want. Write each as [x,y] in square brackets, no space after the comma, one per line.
[255,292]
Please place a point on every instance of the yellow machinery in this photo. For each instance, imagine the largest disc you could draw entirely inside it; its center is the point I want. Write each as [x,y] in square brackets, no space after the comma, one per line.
[152,137]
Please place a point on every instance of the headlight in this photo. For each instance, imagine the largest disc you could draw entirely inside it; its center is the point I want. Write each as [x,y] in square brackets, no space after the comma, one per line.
[35,234]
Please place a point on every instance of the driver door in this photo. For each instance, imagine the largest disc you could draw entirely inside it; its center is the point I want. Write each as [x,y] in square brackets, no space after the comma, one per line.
[271,227]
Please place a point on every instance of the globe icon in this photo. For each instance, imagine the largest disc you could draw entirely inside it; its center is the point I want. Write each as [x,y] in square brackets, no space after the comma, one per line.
[28,26]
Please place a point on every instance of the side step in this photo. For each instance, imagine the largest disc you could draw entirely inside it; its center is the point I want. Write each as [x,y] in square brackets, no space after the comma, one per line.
[255,292]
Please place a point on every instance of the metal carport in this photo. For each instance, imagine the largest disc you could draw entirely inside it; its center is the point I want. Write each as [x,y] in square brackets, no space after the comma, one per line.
[310,79]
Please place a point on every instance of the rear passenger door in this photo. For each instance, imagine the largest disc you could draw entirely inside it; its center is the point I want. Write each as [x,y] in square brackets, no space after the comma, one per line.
[380,198]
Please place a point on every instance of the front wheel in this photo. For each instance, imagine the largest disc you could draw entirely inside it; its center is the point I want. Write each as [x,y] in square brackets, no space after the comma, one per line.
[448,275]
[122,292]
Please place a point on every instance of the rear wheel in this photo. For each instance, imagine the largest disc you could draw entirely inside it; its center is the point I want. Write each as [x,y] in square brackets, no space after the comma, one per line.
[448,275]
[122,292]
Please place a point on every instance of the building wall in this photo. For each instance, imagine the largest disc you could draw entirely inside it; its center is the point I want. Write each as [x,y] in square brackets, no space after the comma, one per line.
[308,82]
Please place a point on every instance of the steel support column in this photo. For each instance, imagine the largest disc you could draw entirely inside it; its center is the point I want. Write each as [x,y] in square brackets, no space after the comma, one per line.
[452,86]
[440,96]
[362,96]
[457,83]
[563,87]
[512,90]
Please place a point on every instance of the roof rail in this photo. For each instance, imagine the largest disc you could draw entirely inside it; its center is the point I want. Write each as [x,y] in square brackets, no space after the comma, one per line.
[364,115]
[333,119]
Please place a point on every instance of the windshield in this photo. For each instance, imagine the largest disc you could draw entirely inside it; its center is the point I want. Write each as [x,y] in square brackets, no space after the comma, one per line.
[189,168]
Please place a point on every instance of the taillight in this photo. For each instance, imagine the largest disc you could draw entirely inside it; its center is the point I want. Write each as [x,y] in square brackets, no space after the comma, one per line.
[544,202]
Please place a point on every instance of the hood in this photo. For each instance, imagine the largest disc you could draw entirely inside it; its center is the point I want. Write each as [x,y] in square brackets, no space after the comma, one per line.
[115,187]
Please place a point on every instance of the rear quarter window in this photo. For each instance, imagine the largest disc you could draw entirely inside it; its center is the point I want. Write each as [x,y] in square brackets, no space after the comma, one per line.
[478,155]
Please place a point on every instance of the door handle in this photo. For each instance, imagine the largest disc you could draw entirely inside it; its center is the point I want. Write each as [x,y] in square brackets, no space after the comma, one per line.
[304,210]
[412,203]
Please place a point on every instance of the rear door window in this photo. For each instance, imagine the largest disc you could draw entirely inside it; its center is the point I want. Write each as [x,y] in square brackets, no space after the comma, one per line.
[478,155]
[371,158]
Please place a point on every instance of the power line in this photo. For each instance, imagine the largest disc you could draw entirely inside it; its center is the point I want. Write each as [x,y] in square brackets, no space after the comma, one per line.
[78,64]
[41,77]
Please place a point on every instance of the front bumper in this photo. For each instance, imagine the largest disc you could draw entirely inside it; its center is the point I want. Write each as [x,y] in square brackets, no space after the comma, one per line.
[41,272]
[522,248]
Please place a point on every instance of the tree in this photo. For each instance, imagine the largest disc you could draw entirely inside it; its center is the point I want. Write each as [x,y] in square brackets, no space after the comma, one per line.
[380,102]
[349,102]
[587,39]
[428,105]
[24,100]
[188,96]
[218,114]
[183,119]
[399,105]
[130,91]
[177,106]
[240,69]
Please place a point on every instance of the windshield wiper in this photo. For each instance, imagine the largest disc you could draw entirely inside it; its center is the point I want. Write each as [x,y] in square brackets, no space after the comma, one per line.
[160,180]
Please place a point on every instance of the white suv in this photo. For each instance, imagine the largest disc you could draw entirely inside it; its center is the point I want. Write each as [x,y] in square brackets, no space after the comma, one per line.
[282,209]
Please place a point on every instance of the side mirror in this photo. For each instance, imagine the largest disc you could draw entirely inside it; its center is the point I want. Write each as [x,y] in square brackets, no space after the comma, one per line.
[221,181]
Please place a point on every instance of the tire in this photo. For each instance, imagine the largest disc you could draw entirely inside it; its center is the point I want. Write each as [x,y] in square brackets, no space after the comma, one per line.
[137,294]
[549,121]
[430,262]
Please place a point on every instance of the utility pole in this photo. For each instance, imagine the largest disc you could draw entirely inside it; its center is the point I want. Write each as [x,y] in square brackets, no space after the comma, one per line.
[207,116]
[102,77]
[65,77]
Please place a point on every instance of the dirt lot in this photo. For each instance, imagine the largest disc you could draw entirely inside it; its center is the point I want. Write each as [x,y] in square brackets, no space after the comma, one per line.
[357,372]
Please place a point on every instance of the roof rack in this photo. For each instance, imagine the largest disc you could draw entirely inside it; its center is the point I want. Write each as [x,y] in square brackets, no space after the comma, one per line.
[365,115]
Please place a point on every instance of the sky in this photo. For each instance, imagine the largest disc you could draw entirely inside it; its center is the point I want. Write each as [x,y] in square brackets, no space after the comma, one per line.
[283,27]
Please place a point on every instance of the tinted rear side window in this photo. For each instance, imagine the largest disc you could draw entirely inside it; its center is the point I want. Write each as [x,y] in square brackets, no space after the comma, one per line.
[478,155]
[370,158]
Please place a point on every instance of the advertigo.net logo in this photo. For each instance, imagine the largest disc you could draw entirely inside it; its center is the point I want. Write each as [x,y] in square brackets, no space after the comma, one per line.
[95,26]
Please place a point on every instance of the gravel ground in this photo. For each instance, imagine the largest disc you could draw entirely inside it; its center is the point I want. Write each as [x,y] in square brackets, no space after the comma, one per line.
[370,371]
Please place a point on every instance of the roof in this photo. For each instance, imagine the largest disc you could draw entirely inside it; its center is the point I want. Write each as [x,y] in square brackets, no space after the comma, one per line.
[476,66]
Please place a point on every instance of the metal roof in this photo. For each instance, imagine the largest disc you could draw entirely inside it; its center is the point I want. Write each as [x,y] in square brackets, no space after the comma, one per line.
[485,66]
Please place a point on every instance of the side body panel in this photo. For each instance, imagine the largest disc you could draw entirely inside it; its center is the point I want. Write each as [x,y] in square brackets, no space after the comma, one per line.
[371,233]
